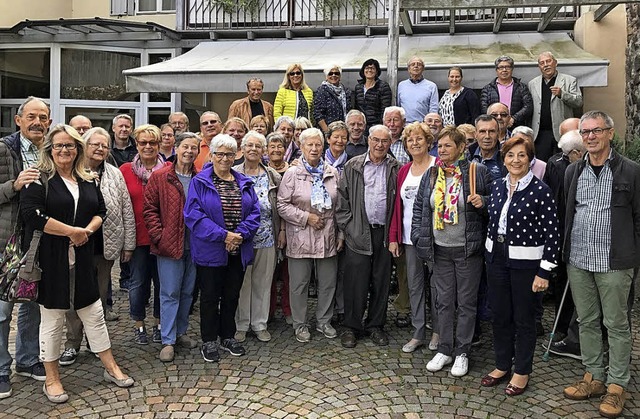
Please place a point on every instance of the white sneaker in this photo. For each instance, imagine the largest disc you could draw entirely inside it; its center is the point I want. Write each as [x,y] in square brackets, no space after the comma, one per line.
[438,362]
[461,366]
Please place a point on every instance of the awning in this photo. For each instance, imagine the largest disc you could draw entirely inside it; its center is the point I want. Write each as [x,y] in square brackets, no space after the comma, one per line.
[225,66]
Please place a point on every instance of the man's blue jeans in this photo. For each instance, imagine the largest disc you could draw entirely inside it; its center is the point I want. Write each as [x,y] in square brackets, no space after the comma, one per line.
[27,336]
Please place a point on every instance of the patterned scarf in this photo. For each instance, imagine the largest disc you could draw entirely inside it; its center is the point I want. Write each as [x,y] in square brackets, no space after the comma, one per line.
[446,199]
[340,94]
[337,163]
[141,171]
[320,199]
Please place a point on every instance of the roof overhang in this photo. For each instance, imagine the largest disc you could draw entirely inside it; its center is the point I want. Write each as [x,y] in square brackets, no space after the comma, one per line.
[224,66]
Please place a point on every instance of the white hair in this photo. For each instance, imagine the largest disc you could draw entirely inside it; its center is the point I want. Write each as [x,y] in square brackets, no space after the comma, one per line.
[571,141]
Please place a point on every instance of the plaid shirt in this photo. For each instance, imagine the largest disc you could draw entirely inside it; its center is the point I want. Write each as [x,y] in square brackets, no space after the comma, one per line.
[29,152]
[400,153]
[591,231]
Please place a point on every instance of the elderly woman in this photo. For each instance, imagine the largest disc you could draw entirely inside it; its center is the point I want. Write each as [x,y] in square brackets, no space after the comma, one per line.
[417,139]
[143,263]
[286,126]
[332,100]
[222,213]
[458,105]
[167,142]
[300,123]
[337,138]
[67,206]
[372,94]
[294,97]
[236,128]
[522,249]
[260,124]
[538,167]
[115,240]
[307,198]
[164,200]
[448,231]
[255,294]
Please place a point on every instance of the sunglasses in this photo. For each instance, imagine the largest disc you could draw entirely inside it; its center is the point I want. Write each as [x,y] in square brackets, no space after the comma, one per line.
[295,73]
[146,143]
[502,115]
[211,122]
[333,73]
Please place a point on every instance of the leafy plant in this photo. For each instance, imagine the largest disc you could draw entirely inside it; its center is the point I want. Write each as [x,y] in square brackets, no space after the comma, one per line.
[231,6]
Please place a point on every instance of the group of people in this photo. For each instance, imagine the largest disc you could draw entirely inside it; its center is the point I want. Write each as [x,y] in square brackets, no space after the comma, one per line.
[333,187]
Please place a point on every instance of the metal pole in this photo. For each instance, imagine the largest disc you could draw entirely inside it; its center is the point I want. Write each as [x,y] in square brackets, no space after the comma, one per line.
[394,45]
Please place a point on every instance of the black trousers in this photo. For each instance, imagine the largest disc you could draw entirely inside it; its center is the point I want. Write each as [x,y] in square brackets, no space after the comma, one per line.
[546,145]
[514,313]
[219,292]
[367,276]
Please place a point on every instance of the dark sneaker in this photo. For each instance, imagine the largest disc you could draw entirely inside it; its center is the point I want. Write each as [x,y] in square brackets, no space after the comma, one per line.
[156,337]
[140,336]
[5,386]
[36,371]
[233,347]
[209,352]
[68,357]
[566,348]
[475,341]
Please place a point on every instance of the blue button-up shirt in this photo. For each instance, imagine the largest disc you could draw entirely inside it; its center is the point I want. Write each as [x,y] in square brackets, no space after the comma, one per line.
[375,190]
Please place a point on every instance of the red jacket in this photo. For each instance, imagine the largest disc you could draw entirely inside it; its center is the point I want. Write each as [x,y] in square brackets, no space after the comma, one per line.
[164,200]
[136,192]
[395,228]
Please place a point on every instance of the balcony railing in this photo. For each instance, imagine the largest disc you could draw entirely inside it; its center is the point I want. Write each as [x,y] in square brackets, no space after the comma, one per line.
[290,14]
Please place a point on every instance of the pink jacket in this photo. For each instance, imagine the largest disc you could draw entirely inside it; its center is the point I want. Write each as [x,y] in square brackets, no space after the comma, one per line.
[294,206]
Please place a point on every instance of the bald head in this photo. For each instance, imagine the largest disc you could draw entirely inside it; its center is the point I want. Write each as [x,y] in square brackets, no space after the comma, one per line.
[81,124]
[569,124]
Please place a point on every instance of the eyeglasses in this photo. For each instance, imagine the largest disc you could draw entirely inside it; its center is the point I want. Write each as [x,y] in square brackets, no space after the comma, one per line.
[210,122]
[221,155]
[501,115]
[503,67]
[146,143]
[167,135]
[333,73]
[370,68]
[382,141]
[295,73]
[97,145]
[68,146]
[179,123]
[596,131]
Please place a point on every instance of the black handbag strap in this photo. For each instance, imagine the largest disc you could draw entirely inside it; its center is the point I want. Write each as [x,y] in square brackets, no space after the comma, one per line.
[29,259]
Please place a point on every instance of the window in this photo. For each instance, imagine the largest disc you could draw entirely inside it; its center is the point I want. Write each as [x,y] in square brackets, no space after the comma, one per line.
[122,7]
[24,72]
[155,58]
[156,5]
[95,75]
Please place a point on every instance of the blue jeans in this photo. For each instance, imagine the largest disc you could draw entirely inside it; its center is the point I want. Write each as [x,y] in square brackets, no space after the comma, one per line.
[177,280]
[27,336]
[143,271]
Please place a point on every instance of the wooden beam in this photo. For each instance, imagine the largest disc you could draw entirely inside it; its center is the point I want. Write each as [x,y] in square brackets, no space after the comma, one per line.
[548,17]
[499,16]
[406,22]
[495,4]
[602,11]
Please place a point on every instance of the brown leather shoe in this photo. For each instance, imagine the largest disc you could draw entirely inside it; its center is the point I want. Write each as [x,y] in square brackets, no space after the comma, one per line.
[514,390]
[613,402]
[348,339]
[585,388]
[490,381]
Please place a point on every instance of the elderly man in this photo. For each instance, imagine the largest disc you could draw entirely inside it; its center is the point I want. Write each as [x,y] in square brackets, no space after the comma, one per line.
[356,123]
[434,121]
[555,97]
[394,119]
[486,149]
[510,91]
[81,124]
[210,126]
[18,153]
[500,112]
[179,121]
[417,95]
[123,147]
[252,105]
[366,195]
[602,232]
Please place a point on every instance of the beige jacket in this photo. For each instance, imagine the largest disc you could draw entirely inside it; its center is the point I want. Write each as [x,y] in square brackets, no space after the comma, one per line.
[119,226]
[242,109]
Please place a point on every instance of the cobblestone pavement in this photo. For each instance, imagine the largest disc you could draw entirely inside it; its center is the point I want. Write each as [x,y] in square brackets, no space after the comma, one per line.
[287,379]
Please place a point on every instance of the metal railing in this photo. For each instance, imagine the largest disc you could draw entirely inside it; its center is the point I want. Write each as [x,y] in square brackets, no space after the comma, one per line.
[287,14]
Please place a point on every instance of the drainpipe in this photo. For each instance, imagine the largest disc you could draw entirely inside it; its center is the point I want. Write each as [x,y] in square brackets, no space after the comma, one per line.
[394,45]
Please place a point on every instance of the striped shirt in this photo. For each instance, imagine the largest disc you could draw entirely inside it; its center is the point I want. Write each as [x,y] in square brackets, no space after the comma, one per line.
[375,190]
[29,152]
[231,199]
[591,230]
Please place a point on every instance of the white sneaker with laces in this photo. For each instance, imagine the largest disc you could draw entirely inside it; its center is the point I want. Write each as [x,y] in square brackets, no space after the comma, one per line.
[460,366]
[438,362]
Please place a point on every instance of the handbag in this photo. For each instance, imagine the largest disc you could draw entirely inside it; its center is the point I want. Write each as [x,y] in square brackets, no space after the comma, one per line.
[10,265]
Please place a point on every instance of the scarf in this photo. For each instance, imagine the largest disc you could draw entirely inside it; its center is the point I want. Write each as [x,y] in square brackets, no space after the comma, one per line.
[303,106]
[339,92]
[337,163]
[291,152]
[446,199]
[320,199]
[140,171]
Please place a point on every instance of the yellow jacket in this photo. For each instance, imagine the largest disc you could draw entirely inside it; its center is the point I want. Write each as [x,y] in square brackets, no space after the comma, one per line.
[286,103]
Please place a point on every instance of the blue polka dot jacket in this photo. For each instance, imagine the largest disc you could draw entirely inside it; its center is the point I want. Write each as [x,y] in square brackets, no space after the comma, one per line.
[532,236]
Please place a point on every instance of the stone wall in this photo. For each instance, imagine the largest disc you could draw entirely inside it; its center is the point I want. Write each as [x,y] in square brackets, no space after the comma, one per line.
[633,72]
